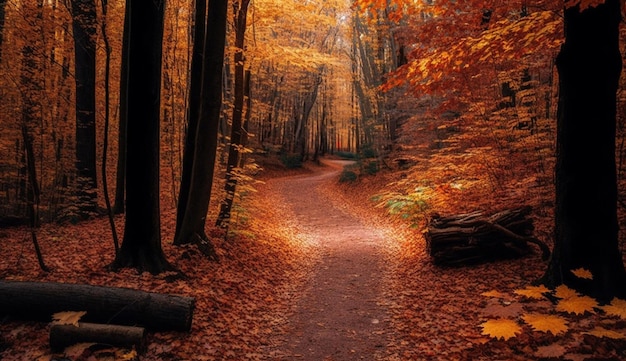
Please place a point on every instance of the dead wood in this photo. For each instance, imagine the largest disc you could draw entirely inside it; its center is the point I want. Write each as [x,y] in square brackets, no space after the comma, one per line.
[62,336]
[477,237]
[124,306]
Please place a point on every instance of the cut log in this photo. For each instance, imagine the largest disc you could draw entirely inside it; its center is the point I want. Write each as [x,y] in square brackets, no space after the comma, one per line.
[123,306]
[476,237]
[62,336]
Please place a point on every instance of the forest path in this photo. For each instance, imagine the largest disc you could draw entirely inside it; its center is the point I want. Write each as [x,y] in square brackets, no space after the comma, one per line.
[339,314]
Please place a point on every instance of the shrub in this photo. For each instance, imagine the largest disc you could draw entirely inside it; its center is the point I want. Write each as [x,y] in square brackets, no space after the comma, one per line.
[291,160]
[347,176]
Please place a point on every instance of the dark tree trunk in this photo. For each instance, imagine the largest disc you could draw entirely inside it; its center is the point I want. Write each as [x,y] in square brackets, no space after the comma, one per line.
[236,132]
[31,110]
[122,306]
[120,178]
[193,111]
[141,245]
[84,28]
[3,4]
[191,225]
[586,227]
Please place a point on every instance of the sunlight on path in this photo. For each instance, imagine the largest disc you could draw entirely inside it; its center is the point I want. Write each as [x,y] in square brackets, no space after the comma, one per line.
[339,314]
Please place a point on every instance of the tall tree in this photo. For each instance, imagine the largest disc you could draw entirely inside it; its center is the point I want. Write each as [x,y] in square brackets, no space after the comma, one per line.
[201,140]
[84,27]
[120,178]
[31,86]
[236,133]
[586,224]
[141,244]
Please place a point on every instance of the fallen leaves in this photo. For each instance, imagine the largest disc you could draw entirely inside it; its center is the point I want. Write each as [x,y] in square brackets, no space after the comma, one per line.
[617,307]
[546,323]
[603,332]
[68,317]
[577,305]
[501,328]
[533,292]
[583,273]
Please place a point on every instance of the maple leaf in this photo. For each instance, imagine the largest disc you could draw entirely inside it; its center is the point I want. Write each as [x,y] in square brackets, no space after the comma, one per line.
[617,307]
[564,292]
[546,323]
[553,350]
[493,293]
[533,292]
[501,328]
[577,305]
[68,317]
[582,273]
[603,332]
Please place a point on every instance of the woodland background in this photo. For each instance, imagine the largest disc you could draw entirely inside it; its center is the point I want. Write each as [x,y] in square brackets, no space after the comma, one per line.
[445,107]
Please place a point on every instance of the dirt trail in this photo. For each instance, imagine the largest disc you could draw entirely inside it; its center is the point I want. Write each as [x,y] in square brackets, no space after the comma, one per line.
[339,314]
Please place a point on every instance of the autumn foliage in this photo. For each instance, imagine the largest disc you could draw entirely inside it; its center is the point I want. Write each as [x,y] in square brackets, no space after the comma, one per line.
[445,107]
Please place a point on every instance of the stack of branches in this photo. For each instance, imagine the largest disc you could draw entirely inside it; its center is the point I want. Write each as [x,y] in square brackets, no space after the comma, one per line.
[476,237]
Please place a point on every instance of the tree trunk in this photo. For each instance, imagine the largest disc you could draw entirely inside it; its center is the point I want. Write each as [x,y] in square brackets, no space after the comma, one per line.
[120,178]
[191,224]
[236,132]
[193,111]
[141,245]
[122,306]
[586,226]
[62,336]
[84,28]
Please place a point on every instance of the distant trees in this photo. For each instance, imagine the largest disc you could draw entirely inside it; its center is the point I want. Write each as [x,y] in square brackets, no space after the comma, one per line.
[586,224]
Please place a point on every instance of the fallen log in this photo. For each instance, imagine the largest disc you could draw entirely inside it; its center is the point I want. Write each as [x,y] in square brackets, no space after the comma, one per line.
[477,237]
[114,305]
[62,336]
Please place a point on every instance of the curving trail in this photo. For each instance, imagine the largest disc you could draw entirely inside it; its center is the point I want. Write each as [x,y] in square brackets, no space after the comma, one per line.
[339,314]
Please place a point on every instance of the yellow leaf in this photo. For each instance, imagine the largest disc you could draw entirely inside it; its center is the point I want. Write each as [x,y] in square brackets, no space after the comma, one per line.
[67,317]
[494,294]
[127,356]
[546,323]
[603,332]
[582,273]
[501,328]
[577,305]
[617,307]
[534,292]
[564,292]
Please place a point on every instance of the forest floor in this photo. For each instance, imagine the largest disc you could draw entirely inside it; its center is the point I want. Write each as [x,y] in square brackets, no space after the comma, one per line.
[313,271]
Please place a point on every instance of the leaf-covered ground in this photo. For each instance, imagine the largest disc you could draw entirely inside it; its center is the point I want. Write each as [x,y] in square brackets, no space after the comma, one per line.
[246,303]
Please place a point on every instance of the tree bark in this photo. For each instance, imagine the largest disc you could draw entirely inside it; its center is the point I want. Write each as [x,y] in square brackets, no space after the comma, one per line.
[62,336]
[236,132]
[124,306]
[120,178]
[84,28]
[141,245]
[193,111]
[586,225]
[192,223]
